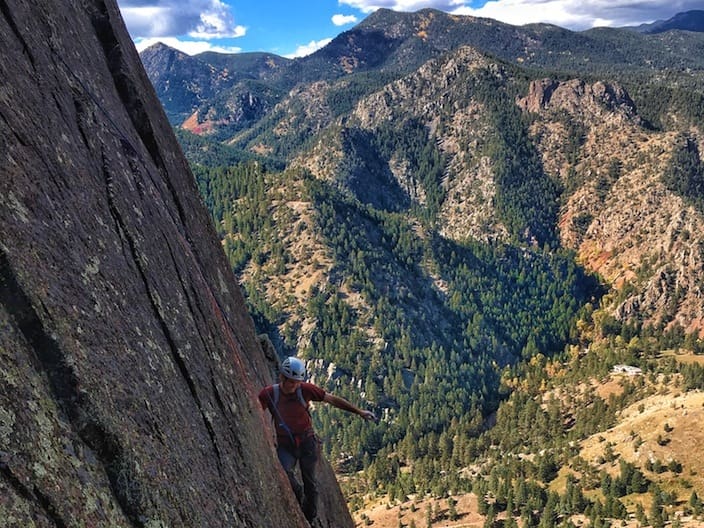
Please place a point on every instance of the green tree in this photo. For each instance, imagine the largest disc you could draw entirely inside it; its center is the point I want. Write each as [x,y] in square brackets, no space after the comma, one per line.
[452,509]
[685,172]
[656,516]
[640,515]
[490,518]
[695,503]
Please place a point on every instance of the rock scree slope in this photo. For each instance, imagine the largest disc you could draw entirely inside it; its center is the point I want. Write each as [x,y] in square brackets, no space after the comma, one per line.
[129,365]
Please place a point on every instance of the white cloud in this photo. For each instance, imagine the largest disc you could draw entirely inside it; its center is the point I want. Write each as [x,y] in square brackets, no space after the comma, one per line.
[307,49]
[518,12]
[189,47]
[343,20]
[573,14]
[204,19]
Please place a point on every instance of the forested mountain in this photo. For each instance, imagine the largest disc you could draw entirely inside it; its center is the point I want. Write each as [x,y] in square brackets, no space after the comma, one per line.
[468,224]
[232,85]
[389,44]
[688,21]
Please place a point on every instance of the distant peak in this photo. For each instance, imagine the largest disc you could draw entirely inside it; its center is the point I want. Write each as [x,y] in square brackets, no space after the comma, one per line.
[160,46]
[159,49]
[692,20]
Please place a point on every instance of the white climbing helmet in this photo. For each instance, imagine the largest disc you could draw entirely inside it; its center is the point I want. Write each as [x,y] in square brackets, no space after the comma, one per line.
[293,368]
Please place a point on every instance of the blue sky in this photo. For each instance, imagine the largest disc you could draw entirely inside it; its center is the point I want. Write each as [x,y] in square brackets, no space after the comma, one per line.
[298,27]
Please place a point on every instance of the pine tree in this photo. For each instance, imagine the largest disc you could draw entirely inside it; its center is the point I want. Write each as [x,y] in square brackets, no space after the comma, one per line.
[640,515]
[695,503]
[510,522]
[452,509]
[685,172]
[490,517]
[548,518]
[656,517]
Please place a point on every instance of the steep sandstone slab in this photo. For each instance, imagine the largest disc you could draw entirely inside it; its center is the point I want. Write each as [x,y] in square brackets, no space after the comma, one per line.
[128,363]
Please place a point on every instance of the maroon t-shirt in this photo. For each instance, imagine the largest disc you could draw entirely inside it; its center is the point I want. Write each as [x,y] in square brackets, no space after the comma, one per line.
[291,409]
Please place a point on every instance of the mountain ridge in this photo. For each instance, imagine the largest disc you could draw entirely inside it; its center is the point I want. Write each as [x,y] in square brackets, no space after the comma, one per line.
[692,20]
[409,39]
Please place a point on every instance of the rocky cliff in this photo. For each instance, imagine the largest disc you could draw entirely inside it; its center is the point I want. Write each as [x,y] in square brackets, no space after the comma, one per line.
[129,365]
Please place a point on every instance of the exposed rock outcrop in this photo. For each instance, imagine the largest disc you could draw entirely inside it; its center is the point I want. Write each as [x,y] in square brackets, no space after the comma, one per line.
[129,365]
[608,102]
[623,222]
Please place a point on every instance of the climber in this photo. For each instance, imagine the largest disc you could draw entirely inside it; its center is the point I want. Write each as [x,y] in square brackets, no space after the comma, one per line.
[287,402]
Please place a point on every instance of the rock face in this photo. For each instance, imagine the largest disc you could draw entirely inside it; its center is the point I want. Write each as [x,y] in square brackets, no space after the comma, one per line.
[129,366]
[608,102]
[621,220]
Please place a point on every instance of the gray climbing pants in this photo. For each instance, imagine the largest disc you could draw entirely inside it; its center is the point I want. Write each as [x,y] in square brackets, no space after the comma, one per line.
[306,454]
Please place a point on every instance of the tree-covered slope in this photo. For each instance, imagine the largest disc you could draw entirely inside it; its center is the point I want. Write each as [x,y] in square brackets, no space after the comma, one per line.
[420,323]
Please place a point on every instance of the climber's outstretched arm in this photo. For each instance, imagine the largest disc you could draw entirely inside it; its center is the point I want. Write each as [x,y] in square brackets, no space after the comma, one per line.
[343,404]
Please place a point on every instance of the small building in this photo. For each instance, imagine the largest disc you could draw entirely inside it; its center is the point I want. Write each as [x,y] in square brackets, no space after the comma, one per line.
[628,370]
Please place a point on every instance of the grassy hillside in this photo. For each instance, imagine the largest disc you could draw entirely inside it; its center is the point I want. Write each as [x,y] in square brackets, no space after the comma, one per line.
[639,451]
